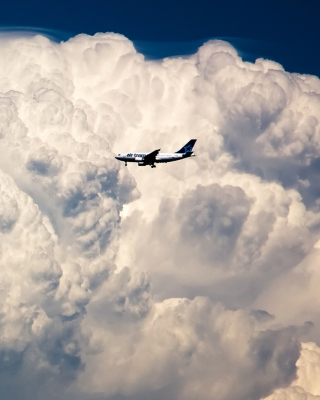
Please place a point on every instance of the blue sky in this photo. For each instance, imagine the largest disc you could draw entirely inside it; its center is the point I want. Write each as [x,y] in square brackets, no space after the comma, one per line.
[284,30]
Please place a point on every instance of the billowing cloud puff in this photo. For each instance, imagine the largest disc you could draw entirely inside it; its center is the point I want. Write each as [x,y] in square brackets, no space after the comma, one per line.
[307,384]
[188,281]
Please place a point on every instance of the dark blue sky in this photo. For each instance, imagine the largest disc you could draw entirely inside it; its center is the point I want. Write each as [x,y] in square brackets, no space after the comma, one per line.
[287,31]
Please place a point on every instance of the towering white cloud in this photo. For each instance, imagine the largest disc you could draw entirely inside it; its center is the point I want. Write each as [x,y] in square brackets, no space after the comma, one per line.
[132,283]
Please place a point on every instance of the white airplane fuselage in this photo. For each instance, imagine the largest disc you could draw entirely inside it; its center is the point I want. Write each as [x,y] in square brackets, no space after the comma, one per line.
[144,159]
[160,158]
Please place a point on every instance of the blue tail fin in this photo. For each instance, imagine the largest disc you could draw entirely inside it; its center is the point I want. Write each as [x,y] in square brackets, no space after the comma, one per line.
[187,148]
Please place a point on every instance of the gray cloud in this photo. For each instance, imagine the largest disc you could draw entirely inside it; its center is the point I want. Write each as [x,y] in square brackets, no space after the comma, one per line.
[213,216]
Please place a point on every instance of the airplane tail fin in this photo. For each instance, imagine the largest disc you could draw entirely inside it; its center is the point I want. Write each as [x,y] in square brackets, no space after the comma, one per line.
[187,148]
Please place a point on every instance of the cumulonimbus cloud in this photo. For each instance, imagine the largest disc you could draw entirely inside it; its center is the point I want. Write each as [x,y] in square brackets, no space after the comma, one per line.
[135,283]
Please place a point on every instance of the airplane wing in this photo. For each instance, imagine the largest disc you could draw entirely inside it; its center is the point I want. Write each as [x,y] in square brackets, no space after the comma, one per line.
[151,157]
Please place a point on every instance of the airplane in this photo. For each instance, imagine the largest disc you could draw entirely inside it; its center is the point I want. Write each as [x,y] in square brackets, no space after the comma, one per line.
[155,157]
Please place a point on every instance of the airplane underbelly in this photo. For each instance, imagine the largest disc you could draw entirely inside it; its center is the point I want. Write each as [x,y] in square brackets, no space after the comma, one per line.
[165,160]
[126,159]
